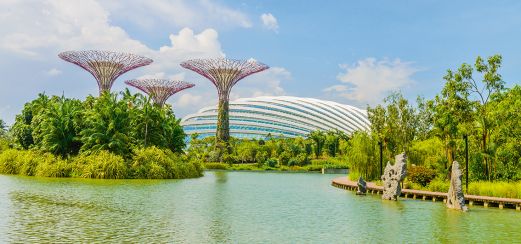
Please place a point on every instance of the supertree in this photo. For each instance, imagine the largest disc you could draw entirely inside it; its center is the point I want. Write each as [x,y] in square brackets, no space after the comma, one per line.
[224,74]
[105,66]
[159,89]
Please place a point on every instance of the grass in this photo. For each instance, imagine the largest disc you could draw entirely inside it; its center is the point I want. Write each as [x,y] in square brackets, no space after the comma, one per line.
[480,188]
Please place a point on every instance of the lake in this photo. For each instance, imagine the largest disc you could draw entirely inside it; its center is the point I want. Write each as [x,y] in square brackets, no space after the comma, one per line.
[232,207]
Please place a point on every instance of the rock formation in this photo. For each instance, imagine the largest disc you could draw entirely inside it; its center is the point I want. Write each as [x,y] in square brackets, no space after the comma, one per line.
[393,176]
[362,186]
[455,197]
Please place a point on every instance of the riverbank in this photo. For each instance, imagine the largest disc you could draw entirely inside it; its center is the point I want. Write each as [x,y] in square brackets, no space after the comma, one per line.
[486,201]
[312,168]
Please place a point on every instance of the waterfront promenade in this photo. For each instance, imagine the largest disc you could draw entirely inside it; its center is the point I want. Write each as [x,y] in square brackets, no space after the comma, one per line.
[485,201]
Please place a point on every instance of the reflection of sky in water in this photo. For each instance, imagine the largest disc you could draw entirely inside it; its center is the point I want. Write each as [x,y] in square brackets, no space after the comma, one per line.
[229,207]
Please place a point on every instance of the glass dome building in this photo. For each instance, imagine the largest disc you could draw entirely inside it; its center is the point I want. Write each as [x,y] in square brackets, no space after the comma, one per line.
[278,116]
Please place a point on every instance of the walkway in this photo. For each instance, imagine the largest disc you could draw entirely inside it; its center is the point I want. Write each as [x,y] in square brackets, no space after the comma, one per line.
[372,188]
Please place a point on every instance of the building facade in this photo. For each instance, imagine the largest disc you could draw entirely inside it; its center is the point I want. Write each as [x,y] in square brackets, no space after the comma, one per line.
[278,116]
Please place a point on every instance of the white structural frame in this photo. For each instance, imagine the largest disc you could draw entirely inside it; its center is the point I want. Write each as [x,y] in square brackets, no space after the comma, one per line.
[279,116]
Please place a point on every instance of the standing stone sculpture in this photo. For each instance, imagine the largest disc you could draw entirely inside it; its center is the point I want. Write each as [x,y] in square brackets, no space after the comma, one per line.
[362,186]
[455,197]
[393,176]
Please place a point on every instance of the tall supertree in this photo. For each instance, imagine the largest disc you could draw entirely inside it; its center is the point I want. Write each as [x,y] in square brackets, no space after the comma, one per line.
[159,89]
[105,66]
[224,74]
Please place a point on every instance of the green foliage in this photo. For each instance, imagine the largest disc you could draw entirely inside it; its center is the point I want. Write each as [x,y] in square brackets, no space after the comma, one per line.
[363,156]
[107,126]
[271,162]
[100,165]
[420,175]
[429,153]
[155,163]
[110,122]
[215,166]
[496,189]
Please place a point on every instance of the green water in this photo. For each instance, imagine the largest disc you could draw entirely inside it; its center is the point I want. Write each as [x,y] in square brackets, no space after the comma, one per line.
[232,207]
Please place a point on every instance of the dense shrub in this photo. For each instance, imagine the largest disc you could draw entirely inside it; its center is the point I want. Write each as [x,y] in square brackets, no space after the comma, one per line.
[271,162]
[438,185]
[155,163]
[421,175]
[32,163]
[496,189]
[100,165]
[215,166]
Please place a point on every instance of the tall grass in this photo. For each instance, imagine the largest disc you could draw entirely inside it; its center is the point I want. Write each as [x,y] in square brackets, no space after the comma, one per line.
[148,163]
[496,189]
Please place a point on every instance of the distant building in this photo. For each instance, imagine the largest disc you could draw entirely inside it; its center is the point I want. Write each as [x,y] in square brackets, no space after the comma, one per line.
[278,116]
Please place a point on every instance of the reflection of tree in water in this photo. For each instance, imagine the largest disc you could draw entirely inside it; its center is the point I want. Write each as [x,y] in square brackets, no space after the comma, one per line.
[219,226]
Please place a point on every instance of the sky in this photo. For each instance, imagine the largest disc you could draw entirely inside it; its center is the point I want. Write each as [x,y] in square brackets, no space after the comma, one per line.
[352,52]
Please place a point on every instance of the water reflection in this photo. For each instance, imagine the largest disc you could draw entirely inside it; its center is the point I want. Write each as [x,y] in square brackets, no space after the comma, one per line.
[220,228]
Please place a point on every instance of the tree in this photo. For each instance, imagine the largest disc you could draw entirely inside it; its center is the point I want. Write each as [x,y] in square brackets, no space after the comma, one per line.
[452,113]
[25,130]
[506,118]
[107,126]
[59,128]
[319,138]
[475,98]
[3,129]
[362,156]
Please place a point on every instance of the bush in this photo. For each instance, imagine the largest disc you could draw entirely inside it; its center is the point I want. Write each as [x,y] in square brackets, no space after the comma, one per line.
[438,185]
[421,175]
[215,166]
[313,167]
[54,168]
[496,189]
[9,163]
[100,165]
[155,163]
[271,162]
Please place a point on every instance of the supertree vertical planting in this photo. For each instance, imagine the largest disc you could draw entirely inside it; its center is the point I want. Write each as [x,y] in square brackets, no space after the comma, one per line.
[159,89]
[105,66]
[224,74]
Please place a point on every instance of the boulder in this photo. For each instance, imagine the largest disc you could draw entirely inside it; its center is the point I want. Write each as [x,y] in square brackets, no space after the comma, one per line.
[455,197]
[393,176]
[362,186]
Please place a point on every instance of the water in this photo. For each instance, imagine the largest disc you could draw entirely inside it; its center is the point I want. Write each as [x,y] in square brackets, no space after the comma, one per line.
[232,207]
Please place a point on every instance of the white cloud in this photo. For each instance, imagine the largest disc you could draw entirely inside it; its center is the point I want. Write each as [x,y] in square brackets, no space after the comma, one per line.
[265,83]
[54,72]
[370,80]
[270,22]
[188,99]
[34,32]
[178,13]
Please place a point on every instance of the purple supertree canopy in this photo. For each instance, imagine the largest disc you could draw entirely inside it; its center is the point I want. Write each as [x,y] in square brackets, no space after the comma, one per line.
[105,66]
[159,89]
[224,73]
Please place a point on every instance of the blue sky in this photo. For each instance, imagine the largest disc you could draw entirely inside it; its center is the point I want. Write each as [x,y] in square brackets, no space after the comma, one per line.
[353,52]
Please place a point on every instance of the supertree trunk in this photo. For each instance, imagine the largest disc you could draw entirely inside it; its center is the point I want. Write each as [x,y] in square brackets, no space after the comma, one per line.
[223,120]
[224,74]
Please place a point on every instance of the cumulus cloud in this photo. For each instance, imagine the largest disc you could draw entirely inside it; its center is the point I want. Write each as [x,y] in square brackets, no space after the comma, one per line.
[270,22]
[179,13]
[33,33]
[370,80]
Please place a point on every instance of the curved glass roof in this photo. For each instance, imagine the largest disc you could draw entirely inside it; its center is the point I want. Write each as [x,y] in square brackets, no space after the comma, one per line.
[278,116]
